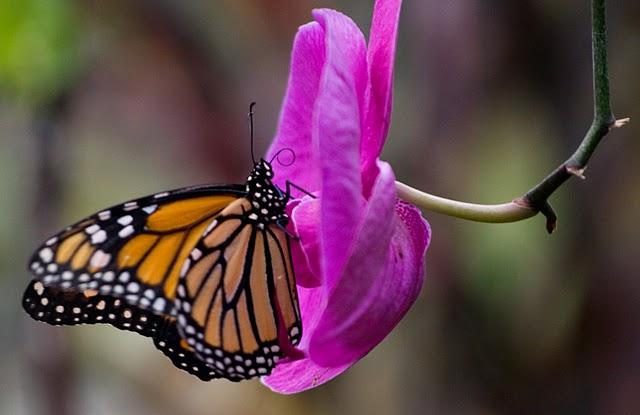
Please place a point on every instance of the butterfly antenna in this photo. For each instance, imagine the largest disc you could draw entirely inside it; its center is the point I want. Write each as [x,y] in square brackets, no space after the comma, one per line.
[251,129]
[277,157]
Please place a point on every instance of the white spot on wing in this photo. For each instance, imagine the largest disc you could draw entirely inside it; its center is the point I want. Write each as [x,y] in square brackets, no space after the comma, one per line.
[160,195]
[108,276]
[99,237]
[48,279]
[92,229]
[126,231]
[125,220]
[150,209]
[181,291]
[159,304]
[210,227]
[130,206]
[99,259]
[39,287]
[46,254]
[185,267]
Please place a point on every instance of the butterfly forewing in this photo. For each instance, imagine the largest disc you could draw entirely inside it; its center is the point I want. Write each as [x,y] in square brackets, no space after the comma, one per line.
[134,250]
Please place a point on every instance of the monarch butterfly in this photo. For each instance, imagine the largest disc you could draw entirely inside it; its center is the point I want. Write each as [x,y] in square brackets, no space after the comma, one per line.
[204,271]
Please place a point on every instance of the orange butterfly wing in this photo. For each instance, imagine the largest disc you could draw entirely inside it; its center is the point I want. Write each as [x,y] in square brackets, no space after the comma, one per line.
[135,250]
[205,271]
[237,297]
[121,266]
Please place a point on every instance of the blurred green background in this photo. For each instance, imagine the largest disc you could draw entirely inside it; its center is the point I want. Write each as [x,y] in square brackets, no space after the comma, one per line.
[101,102]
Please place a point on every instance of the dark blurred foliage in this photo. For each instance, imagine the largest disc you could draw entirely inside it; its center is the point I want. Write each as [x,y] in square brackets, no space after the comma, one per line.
[104,101]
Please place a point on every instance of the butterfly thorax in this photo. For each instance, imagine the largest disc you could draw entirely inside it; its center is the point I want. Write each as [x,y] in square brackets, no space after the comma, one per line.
[267,200]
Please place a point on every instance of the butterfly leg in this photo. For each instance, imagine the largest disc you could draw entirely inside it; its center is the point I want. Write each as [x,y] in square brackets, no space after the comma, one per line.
[295,186]
[289,234]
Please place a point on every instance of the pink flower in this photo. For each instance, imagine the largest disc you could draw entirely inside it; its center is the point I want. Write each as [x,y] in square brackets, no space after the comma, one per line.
[360,266]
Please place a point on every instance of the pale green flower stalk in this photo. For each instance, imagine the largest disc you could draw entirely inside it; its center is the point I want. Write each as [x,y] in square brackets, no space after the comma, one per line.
[536,199]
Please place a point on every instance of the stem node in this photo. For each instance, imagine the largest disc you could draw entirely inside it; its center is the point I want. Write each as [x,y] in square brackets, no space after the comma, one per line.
[619,123]
[576,171]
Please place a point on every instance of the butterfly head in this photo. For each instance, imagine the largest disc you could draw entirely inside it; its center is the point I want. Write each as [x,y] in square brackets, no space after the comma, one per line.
[266,198]
[262,170]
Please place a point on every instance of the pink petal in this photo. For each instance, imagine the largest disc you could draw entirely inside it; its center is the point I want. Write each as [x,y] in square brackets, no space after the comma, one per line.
[299,375]
[360,251]
[294,128]
[417,234]
[338,127]
[306,254]
[382,279]
[381,54]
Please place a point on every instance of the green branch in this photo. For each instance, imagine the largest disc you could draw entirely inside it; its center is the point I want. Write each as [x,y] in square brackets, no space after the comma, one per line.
[536,199]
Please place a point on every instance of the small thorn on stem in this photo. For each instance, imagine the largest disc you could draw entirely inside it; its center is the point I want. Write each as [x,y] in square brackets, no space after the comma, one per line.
[578,172]
[552,220]
[619,123]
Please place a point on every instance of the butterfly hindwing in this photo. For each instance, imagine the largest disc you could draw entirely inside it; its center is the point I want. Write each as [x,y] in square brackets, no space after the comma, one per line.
[237,296]
[57,306]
